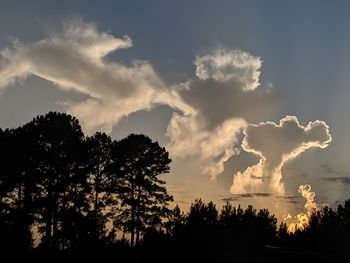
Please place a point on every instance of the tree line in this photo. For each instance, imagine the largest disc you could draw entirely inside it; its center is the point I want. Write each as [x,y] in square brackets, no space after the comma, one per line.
[65,195]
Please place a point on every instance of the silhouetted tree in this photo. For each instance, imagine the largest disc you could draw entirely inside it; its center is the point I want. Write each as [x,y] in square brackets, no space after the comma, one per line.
[138,162]
[67,186]
[176,222]
[282,234]
[266,227]
[201,225]
[99,147]
[229,220]
[19,186]
[10,196]
[61,177]
[202,214]
[344,213]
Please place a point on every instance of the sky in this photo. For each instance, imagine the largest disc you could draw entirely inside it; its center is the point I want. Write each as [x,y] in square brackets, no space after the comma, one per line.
[249,97]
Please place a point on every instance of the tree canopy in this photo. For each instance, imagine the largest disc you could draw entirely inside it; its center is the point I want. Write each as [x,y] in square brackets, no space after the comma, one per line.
[65,195]
[60,188]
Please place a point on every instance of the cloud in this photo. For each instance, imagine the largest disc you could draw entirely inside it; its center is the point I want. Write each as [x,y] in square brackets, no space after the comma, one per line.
[224,97]
[228,87]
[230,65]
[188,137]
[340,179]
[287,197]
[75,60]
[276,144]
[210,110]
[329,170]
[215,102]
[71,59]
[236,197]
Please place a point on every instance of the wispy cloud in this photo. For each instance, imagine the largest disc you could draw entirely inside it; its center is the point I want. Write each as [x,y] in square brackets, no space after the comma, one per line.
[236,197]
[341,179]
[288,199]
[329,170]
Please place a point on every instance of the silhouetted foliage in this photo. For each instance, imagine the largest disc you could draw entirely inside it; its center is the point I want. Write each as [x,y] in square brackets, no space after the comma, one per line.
[64,195]
[62,179]
[99,150]
[137,162]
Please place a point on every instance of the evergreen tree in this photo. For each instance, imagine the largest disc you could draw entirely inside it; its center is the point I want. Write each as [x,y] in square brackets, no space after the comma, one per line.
[61,177]
[99,148]
[138,162]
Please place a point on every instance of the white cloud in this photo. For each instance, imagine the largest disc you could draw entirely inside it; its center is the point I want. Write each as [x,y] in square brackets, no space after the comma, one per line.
[226,65]
[224,98]
[211,110]
[276,144]
[74,60]
[213,147]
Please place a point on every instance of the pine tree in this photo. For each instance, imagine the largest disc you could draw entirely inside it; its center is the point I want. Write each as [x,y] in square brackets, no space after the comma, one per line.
[61,177]
[99,148]
[138,162]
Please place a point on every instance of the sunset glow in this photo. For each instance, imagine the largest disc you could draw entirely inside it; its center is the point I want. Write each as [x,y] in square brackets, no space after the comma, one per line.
[301,220]
[190,126]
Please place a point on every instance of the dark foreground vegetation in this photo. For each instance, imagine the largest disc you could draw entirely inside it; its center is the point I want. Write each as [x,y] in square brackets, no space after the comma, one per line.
[66,196]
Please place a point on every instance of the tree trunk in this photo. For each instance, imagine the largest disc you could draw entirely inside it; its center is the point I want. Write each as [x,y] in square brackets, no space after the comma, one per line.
[49,215]
[19,201]
[27,220]
[76,218]
[55,223]
[1,203]
[132,239]
[97,182]
[138,217]
[48,225]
